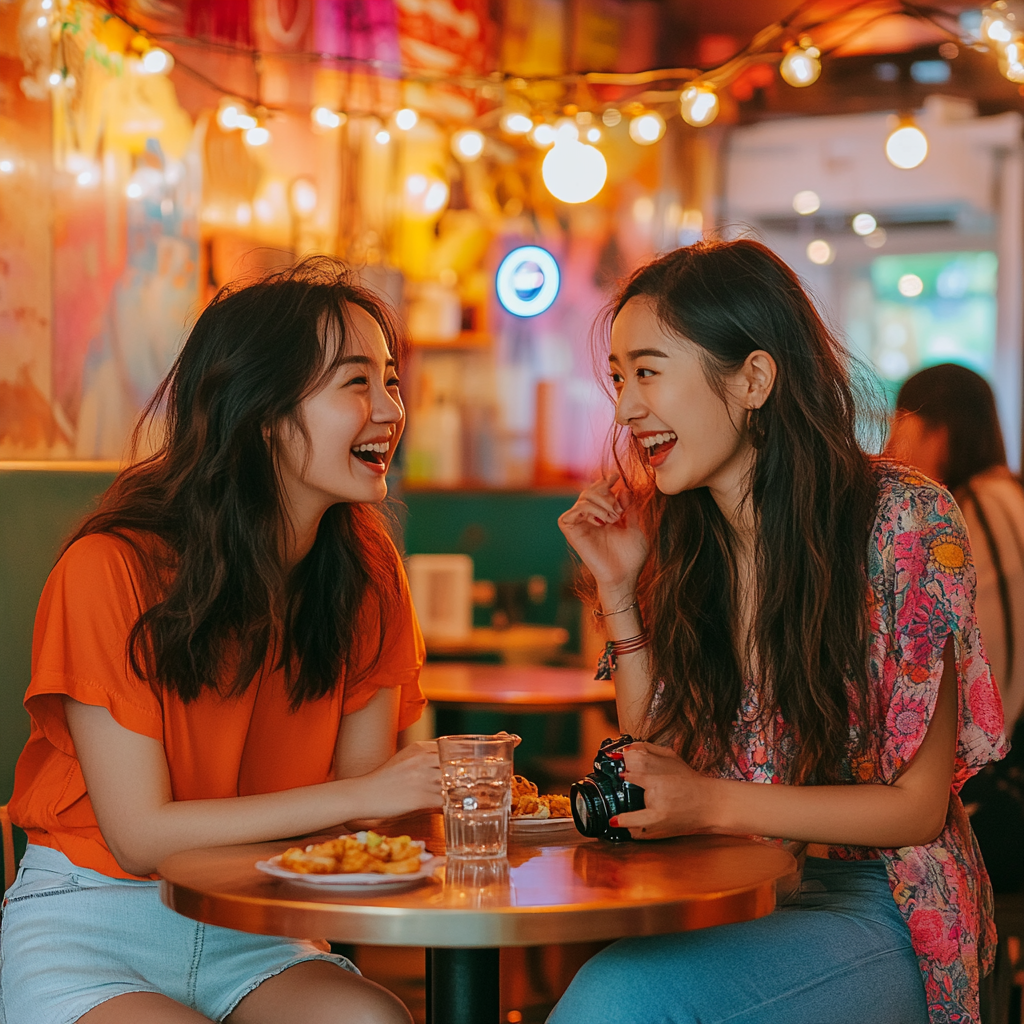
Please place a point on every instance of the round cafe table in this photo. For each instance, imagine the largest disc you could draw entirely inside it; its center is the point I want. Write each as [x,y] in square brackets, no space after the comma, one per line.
[555,887]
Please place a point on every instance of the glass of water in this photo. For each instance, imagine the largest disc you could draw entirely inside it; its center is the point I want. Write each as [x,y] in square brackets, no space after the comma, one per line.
[476,780]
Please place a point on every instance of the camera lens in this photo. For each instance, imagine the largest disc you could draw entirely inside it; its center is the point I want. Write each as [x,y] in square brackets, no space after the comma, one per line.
[588,808]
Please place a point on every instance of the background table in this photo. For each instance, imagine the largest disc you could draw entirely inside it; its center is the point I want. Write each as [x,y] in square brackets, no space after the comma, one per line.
[559,890]
[515,688]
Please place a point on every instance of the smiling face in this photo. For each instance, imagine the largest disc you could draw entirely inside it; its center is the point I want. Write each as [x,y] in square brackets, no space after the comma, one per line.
[353,422]
[693,436]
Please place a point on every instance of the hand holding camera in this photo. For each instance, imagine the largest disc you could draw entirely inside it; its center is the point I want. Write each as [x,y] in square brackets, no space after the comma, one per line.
[641,791]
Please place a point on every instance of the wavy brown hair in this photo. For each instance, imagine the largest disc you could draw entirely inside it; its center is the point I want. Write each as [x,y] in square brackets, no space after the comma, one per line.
[210,496]
[813,495]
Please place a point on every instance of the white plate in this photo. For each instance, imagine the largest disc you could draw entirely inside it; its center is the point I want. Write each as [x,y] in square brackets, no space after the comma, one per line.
[541,825]
[352,882]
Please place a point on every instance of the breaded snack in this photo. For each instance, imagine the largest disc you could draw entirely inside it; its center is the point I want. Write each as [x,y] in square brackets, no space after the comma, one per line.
[526,803]
[362,853]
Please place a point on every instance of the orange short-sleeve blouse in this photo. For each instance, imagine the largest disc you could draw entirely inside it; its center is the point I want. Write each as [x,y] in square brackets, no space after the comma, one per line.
[215,746]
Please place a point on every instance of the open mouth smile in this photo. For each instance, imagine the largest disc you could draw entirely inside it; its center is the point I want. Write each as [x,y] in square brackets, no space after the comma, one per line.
[657,445]
[373,454]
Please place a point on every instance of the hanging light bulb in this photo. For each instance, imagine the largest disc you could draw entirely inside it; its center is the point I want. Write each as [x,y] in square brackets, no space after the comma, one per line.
[324,117]
[647,128]
[515,122]
[425,195]
[801,66]
[573,171]
[468,145]
[997,24]
[406,118]
[229,112]
[257,136]
[543,135]
[1011,60]
[907,146]
[157,62]
[698,105]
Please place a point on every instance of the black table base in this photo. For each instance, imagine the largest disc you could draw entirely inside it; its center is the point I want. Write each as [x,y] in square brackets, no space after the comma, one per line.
[463,986]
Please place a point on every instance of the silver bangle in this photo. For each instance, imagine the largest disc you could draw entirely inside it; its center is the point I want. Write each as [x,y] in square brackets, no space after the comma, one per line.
[618,611]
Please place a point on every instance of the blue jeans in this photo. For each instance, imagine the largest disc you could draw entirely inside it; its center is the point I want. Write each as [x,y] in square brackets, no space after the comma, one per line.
[836,952]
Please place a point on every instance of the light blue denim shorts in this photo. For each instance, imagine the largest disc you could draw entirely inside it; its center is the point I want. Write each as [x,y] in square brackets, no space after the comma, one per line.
[73,938]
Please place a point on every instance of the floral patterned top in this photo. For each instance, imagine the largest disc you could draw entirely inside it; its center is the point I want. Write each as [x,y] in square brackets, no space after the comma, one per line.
[921,591]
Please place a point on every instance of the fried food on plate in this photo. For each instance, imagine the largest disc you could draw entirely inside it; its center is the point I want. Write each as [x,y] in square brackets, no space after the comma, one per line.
[361,853]
[527,803]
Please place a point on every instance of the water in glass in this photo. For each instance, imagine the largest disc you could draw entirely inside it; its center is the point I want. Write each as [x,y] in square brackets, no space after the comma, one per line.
[477,801]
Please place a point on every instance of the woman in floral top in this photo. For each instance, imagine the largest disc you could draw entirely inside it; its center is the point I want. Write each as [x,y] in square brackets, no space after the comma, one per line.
[785,610]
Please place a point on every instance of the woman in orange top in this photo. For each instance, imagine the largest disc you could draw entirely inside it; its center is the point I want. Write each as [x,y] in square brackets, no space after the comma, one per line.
[224,653]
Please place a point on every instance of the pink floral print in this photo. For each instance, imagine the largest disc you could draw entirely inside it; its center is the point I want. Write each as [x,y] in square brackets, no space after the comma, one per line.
[922,592]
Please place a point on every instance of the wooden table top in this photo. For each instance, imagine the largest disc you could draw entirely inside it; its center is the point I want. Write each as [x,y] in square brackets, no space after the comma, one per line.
[555,889]
[513,687]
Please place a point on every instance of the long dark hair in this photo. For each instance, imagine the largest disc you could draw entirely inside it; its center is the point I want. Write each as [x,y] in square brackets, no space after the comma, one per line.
[962,401]
[813,495]
[222,599]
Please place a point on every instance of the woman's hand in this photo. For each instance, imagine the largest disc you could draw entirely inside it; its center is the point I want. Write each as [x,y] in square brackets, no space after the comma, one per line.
[606,534]
[409,781]
[677,799]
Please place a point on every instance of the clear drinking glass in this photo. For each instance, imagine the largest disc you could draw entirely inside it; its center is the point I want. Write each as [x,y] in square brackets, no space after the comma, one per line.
[477,882]
[476,779]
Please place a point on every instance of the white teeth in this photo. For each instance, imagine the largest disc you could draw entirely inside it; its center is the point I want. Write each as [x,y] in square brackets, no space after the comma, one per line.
[380,448]
[652,439]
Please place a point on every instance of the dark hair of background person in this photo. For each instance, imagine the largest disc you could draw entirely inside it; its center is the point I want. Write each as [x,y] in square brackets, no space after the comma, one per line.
[211,494]
[959,399]
[814,497]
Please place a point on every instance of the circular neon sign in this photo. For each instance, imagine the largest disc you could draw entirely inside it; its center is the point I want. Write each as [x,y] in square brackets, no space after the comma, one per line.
[527,280]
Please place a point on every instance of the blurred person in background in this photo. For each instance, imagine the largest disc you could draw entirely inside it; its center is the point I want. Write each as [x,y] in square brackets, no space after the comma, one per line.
[947,426]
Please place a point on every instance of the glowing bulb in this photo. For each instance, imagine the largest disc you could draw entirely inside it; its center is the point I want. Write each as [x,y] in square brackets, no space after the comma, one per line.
[543,135]
[46,4]
[864,224]
[324,117]
[468,144]
[303,196]
[383,137]
[41,21]
[55,78]
[806,202]
[157,61]
[910,286]
[134,190]
[245,121]
[406,118]
[85,179]
[425,195]
[800,67]
[647,128]
[698,105]
[516,123]
[6,166]
[593,135]
[1011,62]
[258,136]
[574,172]
[611,117]
[995,24]
[906,147]
[820,252]
[227,116]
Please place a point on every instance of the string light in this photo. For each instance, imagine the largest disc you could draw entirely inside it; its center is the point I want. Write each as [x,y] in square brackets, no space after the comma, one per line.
[698,105]
[820,252]
[425,195]
[907,146]
[647,128]
[228,113]
[573,171]
[1011,60]
[406,118]
[55,78]
[801,66]
[593,134]
[134,191]
[257,136]
[996,24]
[468,144]
[516,123]
[611,117]
[6,166]
[157,62]
[806,202]
[302,196]
[543,135]
[324,117]
[383,137]
[863,224]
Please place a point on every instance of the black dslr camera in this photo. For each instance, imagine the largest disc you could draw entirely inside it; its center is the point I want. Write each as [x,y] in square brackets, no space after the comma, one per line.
[604,793]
